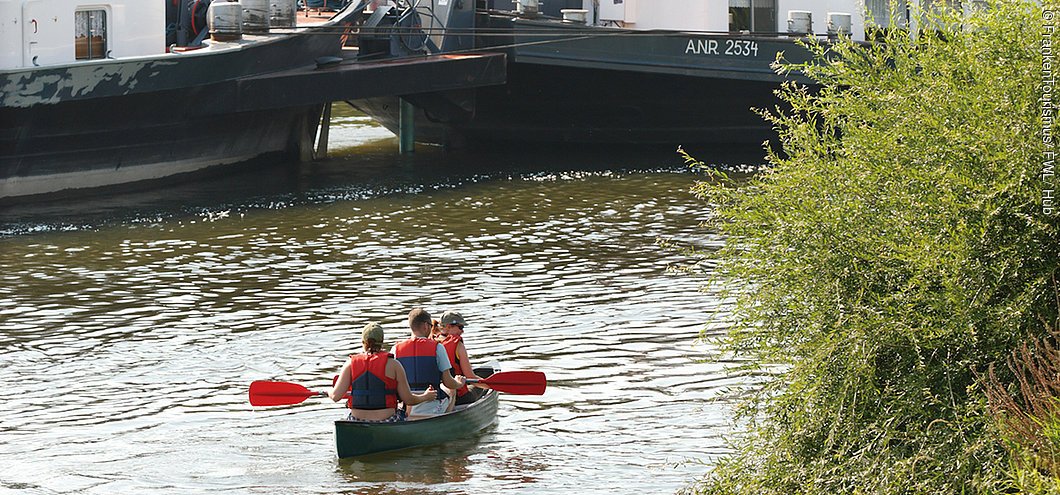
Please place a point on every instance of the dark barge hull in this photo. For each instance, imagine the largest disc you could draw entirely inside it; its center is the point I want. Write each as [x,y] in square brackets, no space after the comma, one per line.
[558,104]
[101,143]
[84,126]
[607,86]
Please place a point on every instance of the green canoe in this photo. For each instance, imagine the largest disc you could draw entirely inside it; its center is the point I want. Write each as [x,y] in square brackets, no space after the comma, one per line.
[353,438]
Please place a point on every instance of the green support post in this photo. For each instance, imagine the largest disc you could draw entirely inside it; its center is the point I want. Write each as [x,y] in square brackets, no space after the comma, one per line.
[406,127]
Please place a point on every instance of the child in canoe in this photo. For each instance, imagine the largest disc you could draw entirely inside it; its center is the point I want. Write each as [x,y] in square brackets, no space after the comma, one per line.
[375,381]
[452,331]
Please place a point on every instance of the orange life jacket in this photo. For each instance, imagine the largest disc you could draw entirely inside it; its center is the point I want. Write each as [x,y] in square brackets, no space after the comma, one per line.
[418,356]
[449,344]
[370,388]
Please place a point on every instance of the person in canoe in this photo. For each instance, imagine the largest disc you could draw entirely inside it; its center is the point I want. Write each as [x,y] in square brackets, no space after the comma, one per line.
[436,330]
[375,381]
[452,326]
[427,365]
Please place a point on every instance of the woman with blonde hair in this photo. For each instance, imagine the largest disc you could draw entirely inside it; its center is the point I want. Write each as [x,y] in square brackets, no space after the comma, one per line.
[375,382]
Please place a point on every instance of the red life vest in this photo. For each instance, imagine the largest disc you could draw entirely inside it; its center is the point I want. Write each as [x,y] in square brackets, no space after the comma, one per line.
[449,343]
[418,356]
[370,388]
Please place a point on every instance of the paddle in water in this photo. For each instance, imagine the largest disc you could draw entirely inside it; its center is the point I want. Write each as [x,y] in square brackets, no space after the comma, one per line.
[269,393]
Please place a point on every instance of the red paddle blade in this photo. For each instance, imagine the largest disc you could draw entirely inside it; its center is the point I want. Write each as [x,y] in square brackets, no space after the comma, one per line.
[517,382]
[265,393]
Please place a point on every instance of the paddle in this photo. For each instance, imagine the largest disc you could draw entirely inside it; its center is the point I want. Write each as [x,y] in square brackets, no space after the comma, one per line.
[515,382]
[268,393]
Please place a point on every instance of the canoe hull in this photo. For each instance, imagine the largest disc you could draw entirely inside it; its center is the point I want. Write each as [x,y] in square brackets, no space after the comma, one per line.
[354,439]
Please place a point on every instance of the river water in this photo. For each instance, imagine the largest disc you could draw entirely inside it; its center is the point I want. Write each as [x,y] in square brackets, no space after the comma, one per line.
[131,327]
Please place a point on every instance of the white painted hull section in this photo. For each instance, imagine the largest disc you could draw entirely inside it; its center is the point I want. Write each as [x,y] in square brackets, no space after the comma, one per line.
[90,179]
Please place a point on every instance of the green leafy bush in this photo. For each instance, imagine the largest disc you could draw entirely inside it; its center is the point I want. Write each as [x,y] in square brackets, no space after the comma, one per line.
[895,247]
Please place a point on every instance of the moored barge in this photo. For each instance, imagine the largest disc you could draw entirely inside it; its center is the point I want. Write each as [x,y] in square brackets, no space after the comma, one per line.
[615,71]
[97,94]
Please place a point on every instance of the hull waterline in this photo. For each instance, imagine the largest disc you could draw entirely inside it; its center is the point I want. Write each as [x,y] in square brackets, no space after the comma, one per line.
[354,439]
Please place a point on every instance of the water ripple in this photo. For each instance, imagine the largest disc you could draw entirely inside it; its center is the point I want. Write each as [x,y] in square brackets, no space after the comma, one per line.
[126,351]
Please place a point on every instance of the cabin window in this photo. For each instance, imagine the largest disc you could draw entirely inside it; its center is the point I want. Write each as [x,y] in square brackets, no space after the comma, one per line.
[756,16]
[90,37]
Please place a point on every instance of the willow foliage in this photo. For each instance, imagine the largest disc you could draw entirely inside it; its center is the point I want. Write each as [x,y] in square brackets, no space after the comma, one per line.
[896,246]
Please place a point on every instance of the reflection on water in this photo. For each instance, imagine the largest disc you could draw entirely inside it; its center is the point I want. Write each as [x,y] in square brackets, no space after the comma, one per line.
[446,463]
[130,327]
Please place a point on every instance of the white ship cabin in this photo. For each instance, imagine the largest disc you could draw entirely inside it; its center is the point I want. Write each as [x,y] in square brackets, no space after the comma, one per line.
[36,33]
[819,17]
